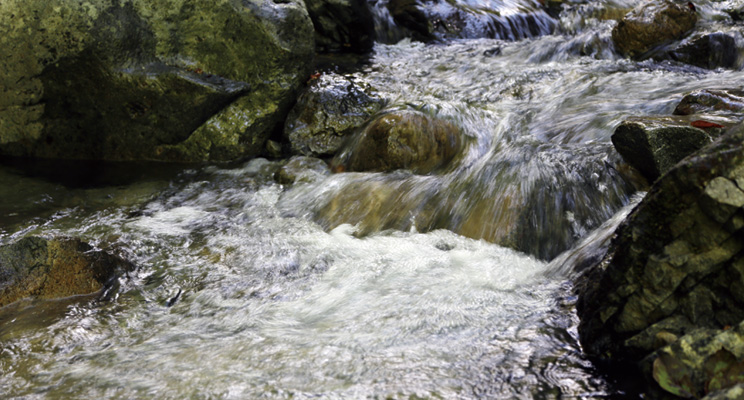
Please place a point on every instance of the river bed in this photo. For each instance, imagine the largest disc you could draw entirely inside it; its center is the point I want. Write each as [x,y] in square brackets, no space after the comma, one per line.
[246,288]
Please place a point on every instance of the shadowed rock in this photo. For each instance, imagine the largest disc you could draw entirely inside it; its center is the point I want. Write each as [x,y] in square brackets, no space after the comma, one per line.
[677,262]
[184,80]
[653,145]
[714,50]
[342,25]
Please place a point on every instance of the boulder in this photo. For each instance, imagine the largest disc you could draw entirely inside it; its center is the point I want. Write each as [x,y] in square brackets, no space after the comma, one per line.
[651,25]
[653,145]
[329,110]
[676,263]
[712,101]
[342,25]
[711,51]
[302,169]
[402,139]
[180,80]
[53,268]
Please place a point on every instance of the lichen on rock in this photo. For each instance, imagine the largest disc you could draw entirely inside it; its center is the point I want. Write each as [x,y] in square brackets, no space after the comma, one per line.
[128,80]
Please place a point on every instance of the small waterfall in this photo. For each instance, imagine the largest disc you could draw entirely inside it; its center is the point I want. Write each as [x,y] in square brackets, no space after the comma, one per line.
[465,19]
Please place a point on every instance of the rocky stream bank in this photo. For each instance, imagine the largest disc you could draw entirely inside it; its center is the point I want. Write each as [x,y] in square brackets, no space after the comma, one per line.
[191,81]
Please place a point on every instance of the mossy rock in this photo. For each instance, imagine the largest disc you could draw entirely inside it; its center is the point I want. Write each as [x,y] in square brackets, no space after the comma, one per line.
[53,268]
[677,261]
[136,79]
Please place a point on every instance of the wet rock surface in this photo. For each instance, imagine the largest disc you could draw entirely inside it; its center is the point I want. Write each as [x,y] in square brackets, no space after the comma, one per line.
[675,266]
[711,51]
[712,101]
[402,140]
[186,80]
[653,145]
[651,25]
[342,25]
[53,268]
[327,112]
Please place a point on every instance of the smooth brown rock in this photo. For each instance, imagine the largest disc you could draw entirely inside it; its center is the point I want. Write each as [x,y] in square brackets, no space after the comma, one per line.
[402,140]
[650,25]
[53,268]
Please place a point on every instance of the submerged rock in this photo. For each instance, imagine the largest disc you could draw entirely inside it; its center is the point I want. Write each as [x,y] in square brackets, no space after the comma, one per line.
[326,113]
[653,145]
[53,268]
[677,262]
[302,169]
[712,101]
[342,25]
[651,25]
[402,140]
[183,80]
[714,50]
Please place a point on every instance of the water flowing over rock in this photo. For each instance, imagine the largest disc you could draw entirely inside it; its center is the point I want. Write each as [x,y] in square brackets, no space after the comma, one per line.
[676,263]
[53,268]
[342,25]
[326,113]
[651,25]
[439,19]
[185,80]
[402,140]
[712,101]
[302,169]
[653,145]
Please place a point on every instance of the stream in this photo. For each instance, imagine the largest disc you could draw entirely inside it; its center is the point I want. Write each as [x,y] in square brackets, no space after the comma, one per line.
[454,285]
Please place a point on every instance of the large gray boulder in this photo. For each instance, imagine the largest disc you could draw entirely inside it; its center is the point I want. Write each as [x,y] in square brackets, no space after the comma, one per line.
[677,262]
[52,268]
[172,80]
[650,25]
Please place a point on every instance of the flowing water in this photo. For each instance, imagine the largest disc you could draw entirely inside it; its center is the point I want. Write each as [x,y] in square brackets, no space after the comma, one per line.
[357,285]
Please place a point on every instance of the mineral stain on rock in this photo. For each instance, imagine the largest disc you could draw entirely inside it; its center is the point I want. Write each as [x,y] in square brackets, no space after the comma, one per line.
[53,268]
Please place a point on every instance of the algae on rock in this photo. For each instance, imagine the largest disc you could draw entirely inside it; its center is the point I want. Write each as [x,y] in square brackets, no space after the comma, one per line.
[128,80]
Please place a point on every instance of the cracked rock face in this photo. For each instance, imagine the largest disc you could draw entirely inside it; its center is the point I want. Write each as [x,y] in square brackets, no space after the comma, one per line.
[677,262]
[166,80]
